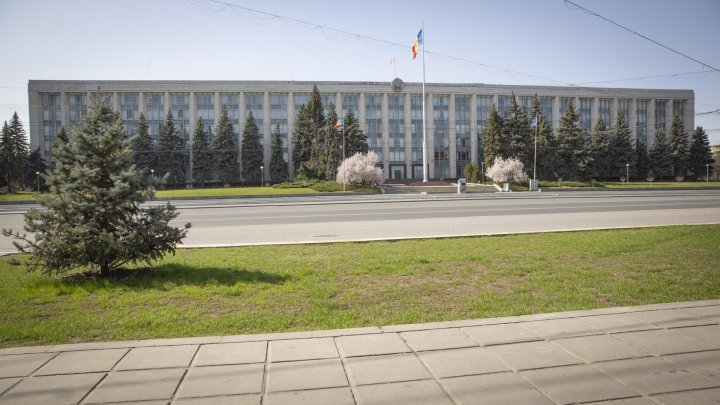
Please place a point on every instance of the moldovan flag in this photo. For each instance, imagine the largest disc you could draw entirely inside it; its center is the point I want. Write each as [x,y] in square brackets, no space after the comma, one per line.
[340,123]
[534,122]
[416,44]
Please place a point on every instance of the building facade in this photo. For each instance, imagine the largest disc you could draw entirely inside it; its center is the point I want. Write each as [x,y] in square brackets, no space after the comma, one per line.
[390,114]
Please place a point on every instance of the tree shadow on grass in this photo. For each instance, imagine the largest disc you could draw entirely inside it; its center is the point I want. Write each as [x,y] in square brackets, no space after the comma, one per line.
[167,276]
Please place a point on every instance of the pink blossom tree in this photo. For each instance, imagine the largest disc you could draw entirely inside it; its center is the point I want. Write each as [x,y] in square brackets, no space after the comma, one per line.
[360,169]
[507,170]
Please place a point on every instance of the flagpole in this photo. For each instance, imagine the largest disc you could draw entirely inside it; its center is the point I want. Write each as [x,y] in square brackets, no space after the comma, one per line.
[425,168]
[537,123]
[342,131]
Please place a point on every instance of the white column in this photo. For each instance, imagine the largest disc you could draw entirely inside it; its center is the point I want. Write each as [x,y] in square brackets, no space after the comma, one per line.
[689,119]
[338,104]
[168,104]
[650,121]
[668,116]
[218,108]
[64,113]
[361,112]
[193,115]
[473,130]
[116,101]
[556,112]
[452,137]
[632,120]
[594,112]
[142,104]
[613,111]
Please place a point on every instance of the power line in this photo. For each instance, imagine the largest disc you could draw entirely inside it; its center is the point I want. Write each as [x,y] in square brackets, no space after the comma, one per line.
[639,34]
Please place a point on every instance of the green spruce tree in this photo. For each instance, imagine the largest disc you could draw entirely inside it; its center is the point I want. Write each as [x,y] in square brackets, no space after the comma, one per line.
[642,161]
[202,157]
[700,154]
[301,140]
[331,152]
[93,215]
[35,171]
[355,139]
[678,148]
[518,133]
[494,141]
[226,150]
[5,155]
[172,154]
[621,150]
[252,151]
[545,144]
[660,165]
[600,155]
[572,147]
[145,153]
[14,152]
[278,165]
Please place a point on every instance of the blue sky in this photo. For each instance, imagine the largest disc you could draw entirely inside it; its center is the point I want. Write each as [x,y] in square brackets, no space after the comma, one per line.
[201,40]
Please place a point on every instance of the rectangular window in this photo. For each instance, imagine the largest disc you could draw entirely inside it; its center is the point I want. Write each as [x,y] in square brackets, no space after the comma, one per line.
[564,103]
[180,106]
[462,130]
[546,108]
[279,116]
[526,103]
[129,111]
[300,100]
[77,108]
[660,115]
[679,109]
[326,100]
[396,127]
[255,103]
[641,123]
[416,127]
[373,124]
[503,107]
[205,109]
[351,102]
[51,121]
[231,102]
[484,105]
[624,107]
[441,131]
[604,111]
[155,107]
[585,115]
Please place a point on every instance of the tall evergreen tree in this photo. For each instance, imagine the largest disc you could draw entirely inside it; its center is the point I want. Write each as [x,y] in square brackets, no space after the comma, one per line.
[172,154]
[225,150]
[642,162]
[202,156]
[5,155]
[145,154]
[678,147]
[301,138]
[700,154]
[252,151]
[93,214]
[331,151]
[600,151]
[621,150]
[278,165]
[660,164]
[35,171]
[494,142]
[355,139]
[545,144]
[14,152]
[518,133]
[572,147]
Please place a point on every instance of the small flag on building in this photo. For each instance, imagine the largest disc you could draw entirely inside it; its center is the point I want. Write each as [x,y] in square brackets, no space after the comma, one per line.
[340,123]
[416,44]
[392,61]
[534,122]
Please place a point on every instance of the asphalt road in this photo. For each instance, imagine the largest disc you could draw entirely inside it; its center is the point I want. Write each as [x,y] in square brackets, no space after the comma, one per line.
[360,218]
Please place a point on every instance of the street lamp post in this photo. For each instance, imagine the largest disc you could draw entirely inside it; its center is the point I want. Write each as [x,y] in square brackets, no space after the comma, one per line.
[627,173]
[707,172]
[262,179]
[152,174]
[38,180]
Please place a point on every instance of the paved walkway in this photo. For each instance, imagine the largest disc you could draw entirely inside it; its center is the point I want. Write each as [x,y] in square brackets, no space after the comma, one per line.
[667,353]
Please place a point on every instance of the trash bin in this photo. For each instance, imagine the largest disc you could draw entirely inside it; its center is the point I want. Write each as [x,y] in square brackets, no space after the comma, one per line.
[462,185]
[533,185]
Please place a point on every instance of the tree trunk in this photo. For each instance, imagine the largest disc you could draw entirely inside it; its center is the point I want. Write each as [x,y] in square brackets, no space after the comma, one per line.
[104,269]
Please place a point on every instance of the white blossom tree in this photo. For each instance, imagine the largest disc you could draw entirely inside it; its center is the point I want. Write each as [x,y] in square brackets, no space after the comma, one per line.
[507,170]
[360,169]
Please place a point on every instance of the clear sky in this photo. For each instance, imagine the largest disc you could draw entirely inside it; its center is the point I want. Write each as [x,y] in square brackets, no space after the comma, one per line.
[202,40]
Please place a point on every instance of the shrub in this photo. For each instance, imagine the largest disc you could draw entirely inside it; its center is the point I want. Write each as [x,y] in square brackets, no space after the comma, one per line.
[507,170]
[472,173]
[360,169]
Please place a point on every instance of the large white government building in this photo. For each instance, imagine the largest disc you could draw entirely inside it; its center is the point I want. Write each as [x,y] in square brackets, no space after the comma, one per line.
[390,114]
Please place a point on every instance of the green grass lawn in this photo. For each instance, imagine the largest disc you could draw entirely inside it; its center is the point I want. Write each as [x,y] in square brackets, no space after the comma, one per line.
[664,184]
[204,292]
[18,196]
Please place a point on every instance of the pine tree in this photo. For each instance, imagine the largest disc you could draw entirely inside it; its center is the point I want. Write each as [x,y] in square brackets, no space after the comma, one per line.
[545,144]
[678,148]
[355,139]
[642,162]
[518,133]
[35,170]
[278,165]
[14,152]
[202,157]
[493,140]
[331,151]
[145,153]
[621,150]
[600,154]
[301,139]
[226,150]
[252,151]
[93,214]
[660,157]
[172,154]
[700,154]
[572,147]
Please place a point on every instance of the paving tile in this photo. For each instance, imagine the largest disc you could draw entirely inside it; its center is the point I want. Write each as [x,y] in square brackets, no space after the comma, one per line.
[367,345]
[529,355]
[616,323]
[708,313]
[21,365]
[6,383]
[699,397]
[158,357]
[491,389]
[437,339]
[575,384]
[56,389]
[231,353]
[302,349]
[501,334]
[705,363]
[670,318]
[301,335]
[426,392]
[628,401]
[331,396]
[24,350]
[459,362]
[203,340]
[303,375]
[137,385]
[561,328]
[251,399]
[73,347]
[88,361]
[600,348]
[710,334]
[652,375]
[222,380]
[386,368]
[665,342]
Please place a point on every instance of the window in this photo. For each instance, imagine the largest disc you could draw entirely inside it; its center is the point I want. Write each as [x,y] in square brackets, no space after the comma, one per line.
[51,121]
[679,109]
[624,107]
[255,103]
[503,107]
[155,106]
[660,115]
[484,105]
[604,111]
[546,108]
[351,102]
[180,105]
[564,103]
[462,130]
[585,115]
[416,126]
[231,102]
[641,123]
[441,131]
[205,109]
[396,127]
[279,116]
[77,108]
[373,123]
[129,111]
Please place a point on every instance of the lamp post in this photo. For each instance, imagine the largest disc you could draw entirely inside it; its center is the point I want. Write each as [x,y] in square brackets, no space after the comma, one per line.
[38,180]
[262,180]
[152,174]
[707,172]
[627,173]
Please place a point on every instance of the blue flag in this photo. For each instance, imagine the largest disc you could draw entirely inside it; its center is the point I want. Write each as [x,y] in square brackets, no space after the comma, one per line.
[534,123]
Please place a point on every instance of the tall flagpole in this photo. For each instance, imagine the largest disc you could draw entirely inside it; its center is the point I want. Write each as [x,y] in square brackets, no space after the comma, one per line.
[425,168]
[537,123]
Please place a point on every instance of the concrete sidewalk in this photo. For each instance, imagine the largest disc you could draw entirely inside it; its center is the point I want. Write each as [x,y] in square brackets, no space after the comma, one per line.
[666,353]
